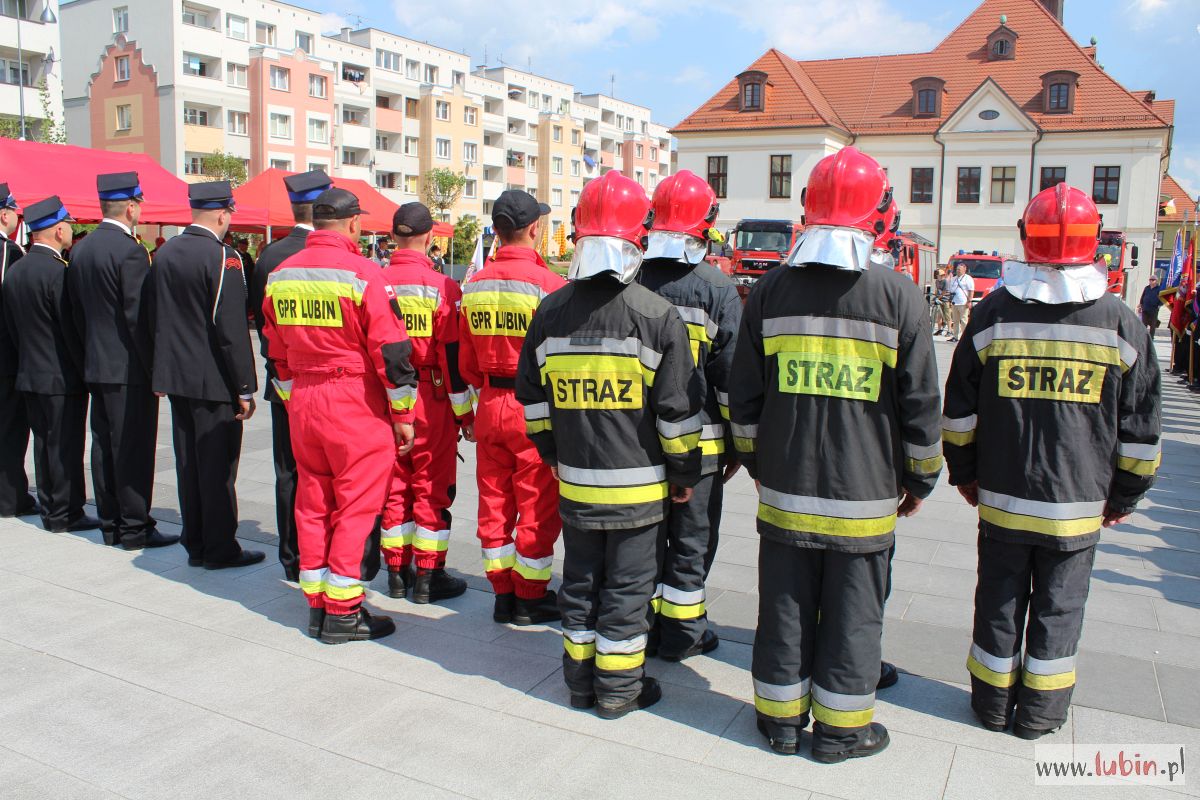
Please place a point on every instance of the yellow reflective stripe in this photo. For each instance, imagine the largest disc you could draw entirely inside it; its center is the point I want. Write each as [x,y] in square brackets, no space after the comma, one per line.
[393,542]
[829,345]
[1001,680]
[592,363]
[668,609]
[336,288]
[1049,527]
[712,447]
[430,545]
[924,466]
[531,573]
[1048,683]
[959,438]
[494,564]
[613,495]
[743,445]
[656,603]
[1050,348]
[831,526]
[1139,466]
[538,426]
[312,587]
[782,709]
[471,299]
[680,444]
[842,719]
[724,411]
[579,652]
[612,662]
[343,592]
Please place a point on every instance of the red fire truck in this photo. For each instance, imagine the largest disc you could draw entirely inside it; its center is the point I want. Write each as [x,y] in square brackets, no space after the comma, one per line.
[916,257]
[983,267]
[757,246]
[1113,247]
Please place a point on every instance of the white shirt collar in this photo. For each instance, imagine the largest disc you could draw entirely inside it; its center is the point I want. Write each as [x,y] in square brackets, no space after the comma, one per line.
[206,228]
[304,226]
[57,254]
[119,224]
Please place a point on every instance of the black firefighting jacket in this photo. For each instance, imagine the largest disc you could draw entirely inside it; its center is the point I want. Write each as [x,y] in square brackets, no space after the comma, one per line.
[834,404]
[709,304]
[1055,411]
[612,399]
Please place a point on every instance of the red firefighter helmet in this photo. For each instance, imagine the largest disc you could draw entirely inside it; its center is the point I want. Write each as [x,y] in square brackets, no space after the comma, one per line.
[847,190]
[1061,225]
[891,226]
[685,203]
[613,205]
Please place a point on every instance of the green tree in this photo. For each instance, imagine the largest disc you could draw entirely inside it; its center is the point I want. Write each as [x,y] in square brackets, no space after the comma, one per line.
[466,233]
[225,166]
[440,189]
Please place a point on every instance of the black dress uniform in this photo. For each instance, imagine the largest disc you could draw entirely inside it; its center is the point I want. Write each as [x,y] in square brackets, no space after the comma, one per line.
[50,371]
[204,362]
[111,285]
[15,499]
[709,304]
[304,189]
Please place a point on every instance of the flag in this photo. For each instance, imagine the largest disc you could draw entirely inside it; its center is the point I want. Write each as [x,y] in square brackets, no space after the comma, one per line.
[1175,271]
[1185,288]
[476,259]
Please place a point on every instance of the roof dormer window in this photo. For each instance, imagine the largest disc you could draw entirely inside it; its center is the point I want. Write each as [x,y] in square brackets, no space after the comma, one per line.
[752,90]
[927,97]
[1002,43]
[1058,91]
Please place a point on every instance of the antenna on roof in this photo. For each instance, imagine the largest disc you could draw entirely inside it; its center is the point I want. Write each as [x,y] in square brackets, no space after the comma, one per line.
[485,55]
[612,84]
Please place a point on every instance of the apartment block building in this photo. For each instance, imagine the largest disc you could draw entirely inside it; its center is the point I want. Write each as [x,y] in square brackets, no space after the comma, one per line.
[30,53]
[257,79]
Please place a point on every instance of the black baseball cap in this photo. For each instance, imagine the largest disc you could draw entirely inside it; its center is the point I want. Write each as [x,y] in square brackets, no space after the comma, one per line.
[335,204]
[412,219]
[519,207]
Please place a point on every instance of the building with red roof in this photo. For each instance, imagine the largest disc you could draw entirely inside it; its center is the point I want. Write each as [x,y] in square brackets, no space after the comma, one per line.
[1007,104]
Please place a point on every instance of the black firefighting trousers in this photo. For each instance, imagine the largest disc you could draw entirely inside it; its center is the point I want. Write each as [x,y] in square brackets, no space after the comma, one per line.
[1031,594]
[691,545]
[817,647]
[608,580]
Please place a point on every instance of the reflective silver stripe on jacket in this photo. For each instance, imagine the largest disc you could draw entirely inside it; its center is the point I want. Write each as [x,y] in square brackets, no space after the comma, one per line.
[698,316]
[673,430]
[632,346]
[824,507]
[1041,509]
[1083,334]
[920,452]
[960,424]
[629,476]
[326,274]
[744,431]
[410,290]
[831,326]
[512,287]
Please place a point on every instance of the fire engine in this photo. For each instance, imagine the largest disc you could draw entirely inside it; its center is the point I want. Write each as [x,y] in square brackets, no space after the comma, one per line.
[757,246]
[916,257]
[983,267]
[1113,246]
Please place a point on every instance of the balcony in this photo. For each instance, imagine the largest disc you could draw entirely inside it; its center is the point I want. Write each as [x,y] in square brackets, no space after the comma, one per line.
[389,119]
[203,138]
[493,156]
[393,161]
[515,176]
[357,136]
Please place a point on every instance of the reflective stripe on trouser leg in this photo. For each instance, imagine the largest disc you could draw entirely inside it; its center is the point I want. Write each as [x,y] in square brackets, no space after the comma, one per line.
[682,617]
[497,507]
[396,543]
[1001,600]
[578,600]
[846,664]
[429,548]
[343,595]
[1060,589]
[785,640]
[531,575]
[499,560]
[579,661]
[312,583]
[538,524]
[398,523]
[434,472]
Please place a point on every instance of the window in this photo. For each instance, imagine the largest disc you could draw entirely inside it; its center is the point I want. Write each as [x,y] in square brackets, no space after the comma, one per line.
[1106,185]
[304,41]
[431,73]
[442,148]
[531,164]
[193,165]
[1004,184]
[281,125]
[353,116]
[412,106]
[968,184]
[317,85]
[574,197]
[921,190]
[15,73]
[238,123]
[471,188]
[927,101]
[264,34]
[441,109]
[385,180]
[470,152]
[1000,48]
[1158,239]
[410,184]
[412,69]
[194,65]
[381,142]
[318,131]
[315,165]
[1059,97]
[470,115]
[386,59]
[237,27]
[533,100]
[556,198]
[124,118]
[121,19]
[718,174]
[752,97]
[14,8]
[638,150]
[557,131]
[411,143]
[654,154]
[575,136]
[349,158]
[195,16]
[281,78]
[546,102]
[281,163]
[533,133]
[575,168]
[781,176]
[195,116]
[1052,176]
[459,79]
[237,75]
[556,165]
[122,68]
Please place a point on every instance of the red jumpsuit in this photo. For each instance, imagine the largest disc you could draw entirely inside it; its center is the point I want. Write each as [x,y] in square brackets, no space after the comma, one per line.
[416,519]
[516,490]
[342,360]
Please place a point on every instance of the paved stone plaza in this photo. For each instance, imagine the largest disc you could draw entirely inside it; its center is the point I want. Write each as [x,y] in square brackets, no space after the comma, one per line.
[132,675]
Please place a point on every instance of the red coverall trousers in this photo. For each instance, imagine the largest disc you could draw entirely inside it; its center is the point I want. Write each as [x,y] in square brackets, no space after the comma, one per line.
[516,492]
[416,519]
[345,451]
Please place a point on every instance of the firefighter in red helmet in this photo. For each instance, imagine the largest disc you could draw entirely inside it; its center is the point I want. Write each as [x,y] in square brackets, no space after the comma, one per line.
[612,404]
[685,212]
[1051,430]
[833,406]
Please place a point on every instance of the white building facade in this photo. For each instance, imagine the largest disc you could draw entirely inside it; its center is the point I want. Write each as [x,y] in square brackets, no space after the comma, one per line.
[30,57]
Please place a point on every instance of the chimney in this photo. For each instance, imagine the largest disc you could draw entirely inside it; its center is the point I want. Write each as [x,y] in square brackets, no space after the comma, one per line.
[345,34]
[1055,7]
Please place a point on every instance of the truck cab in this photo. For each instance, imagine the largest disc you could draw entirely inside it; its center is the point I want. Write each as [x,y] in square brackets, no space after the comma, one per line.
[1120,256]
[758,245]
[983,267]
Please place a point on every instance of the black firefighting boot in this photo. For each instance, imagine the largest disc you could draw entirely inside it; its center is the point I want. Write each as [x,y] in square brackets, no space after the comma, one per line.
[316,616]
[876,741]
[888,675]
[435,584]
[708,642]
[502,611]
[536,612]
[398,580]
[651,693]
[356,627]
[785,742]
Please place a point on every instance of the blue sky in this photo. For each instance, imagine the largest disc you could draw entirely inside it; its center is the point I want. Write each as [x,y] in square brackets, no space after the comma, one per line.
[673,56]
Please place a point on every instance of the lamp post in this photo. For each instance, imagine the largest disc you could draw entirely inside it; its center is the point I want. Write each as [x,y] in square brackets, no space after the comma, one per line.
[47,18]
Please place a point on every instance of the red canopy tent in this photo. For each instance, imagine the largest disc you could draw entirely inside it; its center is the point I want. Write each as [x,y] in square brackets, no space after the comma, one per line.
[34,171]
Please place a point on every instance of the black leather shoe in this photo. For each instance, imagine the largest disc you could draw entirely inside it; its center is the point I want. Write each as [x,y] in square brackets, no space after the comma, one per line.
[84,523]
[536,612]
[1031,734]
[153,538]
[502,611]
[583,701]
[28,507]
[243,559]
[889,676]
[785,746]
[708,642]
[316,618]
[435,584]
[876,741]
[398,583]
[193,561]
[651,693]
[357,627]
[994,725]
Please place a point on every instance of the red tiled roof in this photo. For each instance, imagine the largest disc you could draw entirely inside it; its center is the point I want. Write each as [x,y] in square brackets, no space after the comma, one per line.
[872,94]
[1183,201]
[1165,109]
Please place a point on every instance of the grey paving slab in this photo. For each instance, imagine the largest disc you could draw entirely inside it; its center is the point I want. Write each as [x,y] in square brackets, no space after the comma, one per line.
[1123,609]
[1162,646]
[933,651]
[1180,688]
[1096,726]
[936,610]
[1182,618]
[1117,683]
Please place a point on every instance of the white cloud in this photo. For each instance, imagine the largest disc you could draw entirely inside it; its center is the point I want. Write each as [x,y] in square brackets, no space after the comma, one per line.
[1149,6]
[332,22]
[1186,170]
[691,74]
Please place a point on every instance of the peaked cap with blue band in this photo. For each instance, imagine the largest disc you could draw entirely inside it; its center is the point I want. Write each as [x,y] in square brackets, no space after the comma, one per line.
[119,186]
[6,198]
[307,186]
[210,195]
[46,214]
